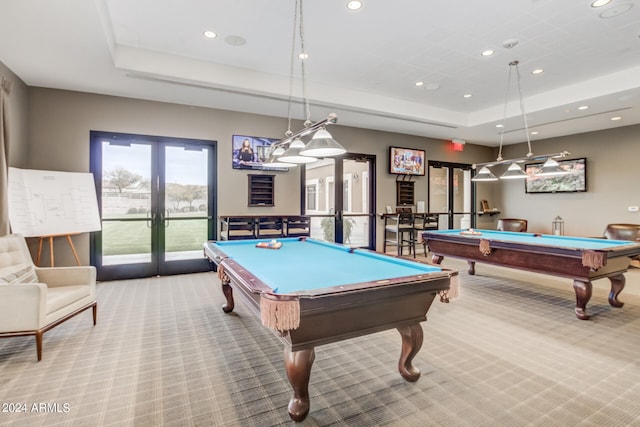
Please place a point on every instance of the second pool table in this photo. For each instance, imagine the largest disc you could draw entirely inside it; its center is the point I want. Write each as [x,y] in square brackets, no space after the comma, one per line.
[310,293]
[579,258]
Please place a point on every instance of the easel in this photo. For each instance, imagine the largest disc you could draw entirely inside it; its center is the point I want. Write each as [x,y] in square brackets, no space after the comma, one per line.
[50,237]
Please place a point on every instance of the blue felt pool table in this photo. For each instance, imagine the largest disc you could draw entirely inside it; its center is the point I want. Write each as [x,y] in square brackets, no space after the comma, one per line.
[312,292]
[582,259]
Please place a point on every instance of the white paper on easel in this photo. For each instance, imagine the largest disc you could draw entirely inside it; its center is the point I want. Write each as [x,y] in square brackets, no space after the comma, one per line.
[44,203]
[420,206]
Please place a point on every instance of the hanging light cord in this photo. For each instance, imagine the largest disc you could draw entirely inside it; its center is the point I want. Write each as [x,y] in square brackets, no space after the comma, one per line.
[514,64]
[524,115]
[307,111]
[504,115]
[293,54]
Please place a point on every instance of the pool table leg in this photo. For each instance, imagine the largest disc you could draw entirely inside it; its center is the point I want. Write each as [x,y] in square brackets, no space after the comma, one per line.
[472,267]
[298,366]
[583,295]
[411,343]
[227,290]
[617,285]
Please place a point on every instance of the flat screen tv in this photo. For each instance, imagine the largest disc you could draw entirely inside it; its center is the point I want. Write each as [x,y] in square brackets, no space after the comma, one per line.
[250,152]
[406,161]
[573,182]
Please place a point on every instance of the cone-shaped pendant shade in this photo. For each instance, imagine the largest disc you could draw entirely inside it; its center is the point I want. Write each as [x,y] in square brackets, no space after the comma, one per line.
[292,155]
[513,172]
[484,175]
[323,145]
[551,168]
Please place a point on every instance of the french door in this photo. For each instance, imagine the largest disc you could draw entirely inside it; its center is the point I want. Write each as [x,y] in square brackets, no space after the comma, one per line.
[451,194]
[339,195]
[156,198]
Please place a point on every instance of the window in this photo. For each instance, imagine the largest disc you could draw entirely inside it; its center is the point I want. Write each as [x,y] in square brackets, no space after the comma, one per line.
[312,196]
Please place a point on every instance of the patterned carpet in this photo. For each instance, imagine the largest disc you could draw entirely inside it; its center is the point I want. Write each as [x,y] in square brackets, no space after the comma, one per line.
[509,352]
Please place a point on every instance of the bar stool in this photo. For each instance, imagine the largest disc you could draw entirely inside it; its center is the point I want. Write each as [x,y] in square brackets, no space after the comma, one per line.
[399,231]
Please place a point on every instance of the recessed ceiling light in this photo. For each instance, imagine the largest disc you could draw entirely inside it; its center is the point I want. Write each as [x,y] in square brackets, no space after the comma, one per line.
[210,34]
[499,126]
[534,132]
[537,71]
[615,10]
[467,95]
[303,55]
[600,3]
[354,5]
[487,52]
[419,83]
[583,107]
[616,118]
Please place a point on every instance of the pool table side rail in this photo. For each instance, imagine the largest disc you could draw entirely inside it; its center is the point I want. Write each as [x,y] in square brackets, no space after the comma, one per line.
[254,285]
[555,262]
[338,317]
[629,250]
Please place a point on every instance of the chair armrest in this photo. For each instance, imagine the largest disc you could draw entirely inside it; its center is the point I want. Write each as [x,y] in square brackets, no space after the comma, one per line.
[22,306]
[64,276]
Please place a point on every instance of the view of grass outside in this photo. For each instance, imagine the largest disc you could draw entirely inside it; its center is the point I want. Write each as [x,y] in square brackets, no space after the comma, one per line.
[134,237]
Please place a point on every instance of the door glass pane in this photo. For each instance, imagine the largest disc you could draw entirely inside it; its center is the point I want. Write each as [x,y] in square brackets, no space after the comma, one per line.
[185,205]
[126,203]
[356,201]
[461,190]
[438,190]
[461,198]
[320,198]
[125,242]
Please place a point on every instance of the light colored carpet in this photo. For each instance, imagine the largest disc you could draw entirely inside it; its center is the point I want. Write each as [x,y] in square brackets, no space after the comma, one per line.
[509,352]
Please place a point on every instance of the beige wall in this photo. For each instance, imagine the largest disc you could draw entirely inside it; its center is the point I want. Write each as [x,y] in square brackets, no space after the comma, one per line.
[58,139]
[613,178]
[60,122]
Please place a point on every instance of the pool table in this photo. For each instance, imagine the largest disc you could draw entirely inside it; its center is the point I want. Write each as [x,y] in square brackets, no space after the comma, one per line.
[311,292]
[578,258]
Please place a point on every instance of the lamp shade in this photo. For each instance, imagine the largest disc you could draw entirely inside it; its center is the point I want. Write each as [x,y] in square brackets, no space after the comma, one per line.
[323,145]
[279,151]
[292,154]
[551,168]
[274,162]
[484,175]
[514,172]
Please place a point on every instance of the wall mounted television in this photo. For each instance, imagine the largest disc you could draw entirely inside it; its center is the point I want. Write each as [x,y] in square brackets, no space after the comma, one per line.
[406,161]
[250,152]
[573,182]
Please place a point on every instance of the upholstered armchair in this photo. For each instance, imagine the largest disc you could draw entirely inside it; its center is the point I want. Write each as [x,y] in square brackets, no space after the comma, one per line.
[512,224]
[624,232]
[36,299]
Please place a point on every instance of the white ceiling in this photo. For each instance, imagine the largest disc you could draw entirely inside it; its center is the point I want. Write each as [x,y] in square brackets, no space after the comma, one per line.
[362,64]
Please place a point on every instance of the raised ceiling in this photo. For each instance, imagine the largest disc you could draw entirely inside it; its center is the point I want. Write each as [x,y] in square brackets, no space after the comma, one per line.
[362,64]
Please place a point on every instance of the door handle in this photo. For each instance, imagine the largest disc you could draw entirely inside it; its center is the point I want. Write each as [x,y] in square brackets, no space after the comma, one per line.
[151,218]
